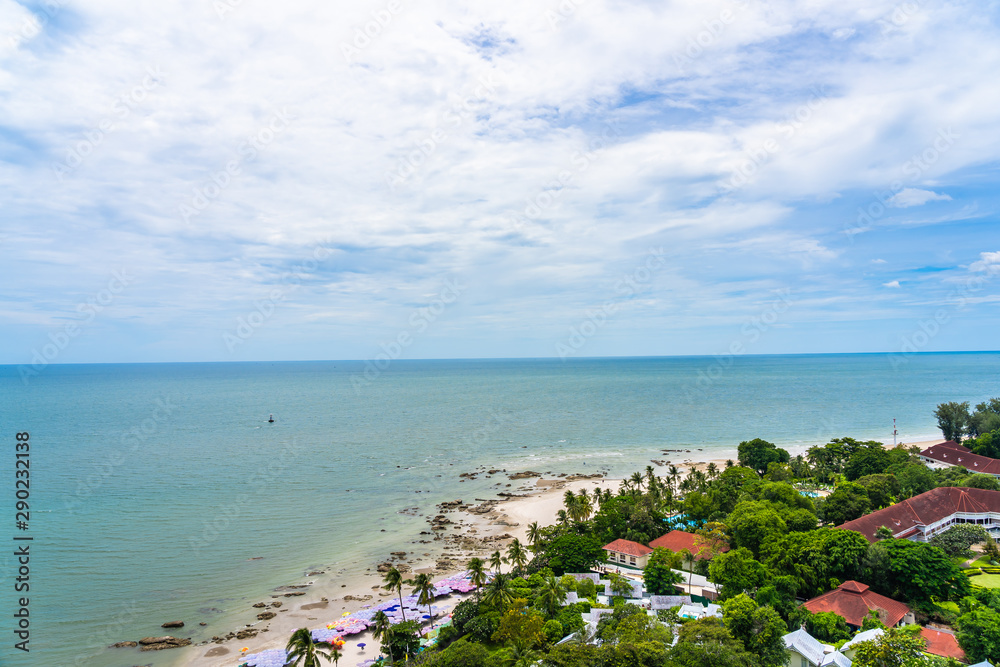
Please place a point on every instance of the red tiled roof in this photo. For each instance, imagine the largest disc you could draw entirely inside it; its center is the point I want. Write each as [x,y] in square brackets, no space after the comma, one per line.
[852,601]
[628,547]
[942,643]
[925,509]
[954,454]
[678,540]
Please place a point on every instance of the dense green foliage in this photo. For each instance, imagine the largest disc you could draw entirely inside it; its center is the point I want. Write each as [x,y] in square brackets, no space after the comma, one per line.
[763,543]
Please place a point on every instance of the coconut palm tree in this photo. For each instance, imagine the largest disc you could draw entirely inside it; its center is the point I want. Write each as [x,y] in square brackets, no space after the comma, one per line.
[394,582]
[562,517]
[713,470]
[381,629]
[496,561]
[585,507]
[477,574]
[516,555]
[534,536]
[498,591]
[673,475]
[636,480]
[302,648]
[424,590]
[551,595]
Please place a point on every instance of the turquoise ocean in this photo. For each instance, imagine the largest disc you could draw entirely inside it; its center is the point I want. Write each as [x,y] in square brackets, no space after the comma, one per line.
[160,492]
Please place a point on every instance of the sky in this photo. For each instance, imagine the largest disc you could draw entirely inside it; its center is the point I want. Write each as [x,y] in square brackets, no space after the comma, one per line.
[232,180]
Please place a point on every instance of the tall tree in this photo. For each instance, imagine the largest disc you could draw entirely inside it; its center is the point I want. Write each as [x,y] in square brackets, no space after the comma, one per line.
[551,595]
[496,561]
[302,649]
[516,555]
[497,593]
[381,625]
[759,628]
[534,536]
[953,419]
[757,453]
[477,574]
[394,582]
[423,588]
[658,575]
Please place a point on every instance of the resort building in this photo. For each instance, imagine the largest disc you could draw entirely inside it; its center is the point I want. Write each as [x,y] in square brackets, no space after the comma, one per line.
[943,644]
[950,453]
[921,517]
[804,650]
[678,540]
[853,601]
[626,552]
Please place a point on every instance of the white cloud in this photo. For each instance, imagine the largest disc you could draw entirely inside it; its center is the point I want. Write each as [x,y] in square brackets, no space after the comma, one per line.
[879,261]
[891,283]
[605,133]
[988,261]
[915,197]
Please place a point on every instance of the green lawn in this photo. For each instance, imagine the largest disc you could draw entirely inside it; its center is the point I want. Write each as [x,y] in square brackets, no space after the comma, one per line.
[986,580]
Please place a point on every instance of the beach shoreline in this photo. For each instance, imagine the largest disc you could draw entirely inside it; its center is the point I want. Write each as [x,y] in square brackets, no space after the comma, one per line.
[461,531]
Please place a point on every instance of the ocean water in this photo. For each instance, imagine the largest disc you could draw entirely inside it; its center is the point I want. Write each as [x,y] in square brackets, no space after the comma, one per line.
[160,492]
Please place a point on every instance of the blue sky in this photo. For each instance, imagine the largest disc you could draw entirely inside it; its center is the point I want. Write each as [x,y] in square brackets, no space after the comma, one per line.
[239,180]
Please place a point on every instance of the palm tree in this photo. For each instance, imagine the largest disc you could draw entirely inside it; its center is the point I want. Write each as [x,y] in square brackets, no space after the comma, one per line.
[424,589]
[563,517]
[477,574]
[381,629]
[519,655]
[302,648]
[713,470]
[516,555]
[551,595]
[394,582]
[636,480]
[496,561]
[585,507]
[534,536]
[673,474]
[498,591]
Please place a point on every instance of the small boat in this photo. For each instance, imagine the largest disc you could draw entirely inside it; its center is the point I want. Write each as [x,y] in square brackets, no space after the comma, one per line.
[270,420]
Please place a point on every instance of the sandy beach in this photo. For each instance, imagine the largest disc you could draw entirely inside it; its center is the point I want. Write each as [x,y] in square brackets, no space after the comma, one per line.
[468,530]
[462,531]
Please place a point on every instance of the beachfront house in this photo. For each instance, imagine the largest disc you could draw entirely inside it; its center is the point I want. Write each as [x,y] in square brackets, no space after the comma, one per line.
[921,517]
[942,643]
[678,541]
[853,601]
[949,453]
[628,553]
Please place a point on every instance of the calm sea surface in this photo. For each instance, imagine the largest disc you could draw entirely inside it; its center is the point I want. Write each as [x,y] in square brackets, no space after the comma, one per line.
[160,492]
